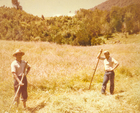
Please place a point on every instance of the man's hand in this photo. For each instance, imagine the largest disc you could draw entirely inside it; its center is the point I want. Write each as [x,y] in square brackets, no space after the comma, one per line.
[21,84]
[101,50]
[113,68]
[99,55]
[110,69]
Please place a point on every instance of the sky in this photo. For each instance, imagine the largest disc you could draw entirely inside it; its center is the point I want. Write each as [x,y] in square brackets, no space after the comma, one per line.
[50,8]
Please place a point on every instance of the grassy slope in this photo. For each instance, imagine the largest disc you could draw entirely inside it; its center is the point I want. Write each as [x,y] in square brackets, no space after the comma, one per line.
[61,74]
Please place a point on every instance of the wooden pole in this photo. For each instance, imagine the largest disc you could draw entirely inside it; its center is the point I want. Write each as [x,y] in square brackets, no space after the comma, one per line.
[95,69]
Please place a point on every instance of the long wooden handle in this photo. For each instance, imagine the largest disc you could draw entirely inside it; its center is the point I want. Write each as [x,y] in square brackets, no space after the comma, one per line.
[95,70]
[93,73]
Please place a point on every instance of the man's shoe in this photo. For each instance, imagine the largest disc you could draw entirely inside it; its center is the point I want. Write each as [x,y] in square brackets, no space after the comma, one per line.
[111,93]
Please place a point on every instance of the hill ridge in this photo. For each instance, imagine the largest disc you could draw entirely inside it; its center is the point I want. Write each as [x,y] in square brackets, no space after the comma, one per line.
[107,5]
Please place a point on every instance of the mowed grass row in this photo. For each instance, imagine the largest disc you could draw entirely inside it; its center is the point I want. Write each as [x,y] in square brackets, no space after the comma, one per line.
[60,76]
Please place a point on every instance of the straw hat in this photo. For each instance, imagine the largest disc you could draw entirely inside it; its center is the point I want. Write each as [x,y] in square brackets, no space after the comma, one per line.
[18,52]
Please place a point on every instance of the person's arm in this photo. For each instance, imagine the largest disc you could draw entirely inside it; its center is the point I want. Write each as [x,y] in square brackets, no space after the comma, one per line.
[15,76]
[116,64]
[13,70]
[27,70]
[99,55]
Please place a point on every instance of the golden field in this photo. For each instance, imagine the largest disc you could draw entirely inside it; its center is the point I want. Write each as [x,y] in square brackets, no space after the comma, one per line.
[60,76]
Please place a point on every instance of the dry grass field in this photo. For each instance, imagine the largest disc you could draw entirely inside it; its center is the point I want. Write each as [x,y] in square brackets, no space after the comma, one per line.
[60,76]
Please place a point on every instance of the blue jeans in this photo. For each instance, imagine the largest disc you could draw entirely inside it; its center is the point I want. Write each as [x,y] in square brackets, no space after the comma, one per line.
[109,75]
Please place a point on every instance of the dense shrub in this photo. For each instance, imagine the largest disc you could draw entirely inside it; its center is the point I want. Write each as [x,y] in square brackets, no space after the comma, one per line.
[82,29]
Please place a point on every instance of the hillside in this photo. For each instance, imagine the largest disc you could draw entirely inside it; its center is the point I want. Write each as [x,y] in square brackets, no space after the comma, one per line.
[60,76]
[107,5]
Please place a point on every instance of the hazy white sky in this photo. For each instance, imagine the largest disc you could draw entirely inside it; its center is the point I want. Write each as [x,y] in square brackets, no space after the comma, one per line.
[50,8]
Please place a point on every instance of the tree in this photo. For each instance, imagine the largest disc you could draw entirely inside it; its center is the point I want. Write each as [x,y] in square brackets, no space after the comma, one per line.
[16,4]
[116,19]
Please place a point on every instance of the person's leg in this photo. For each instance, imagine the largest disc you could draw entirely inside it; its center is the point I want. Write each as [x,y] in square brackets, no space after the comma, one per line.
[24,97]
[112,76]
[17,99]
[106,78]
[24,104]
[24,92]
[17,96]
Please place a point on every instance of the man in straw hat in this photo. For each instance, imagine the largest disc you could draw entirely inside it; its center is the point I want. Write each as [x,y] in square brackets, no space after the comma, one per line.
[110,64]
[20,68]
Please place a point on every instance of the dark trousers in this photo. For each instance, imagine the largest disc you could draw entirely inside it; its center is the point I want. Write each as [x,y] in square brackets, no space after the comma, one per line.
[22,90]
[109,75]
